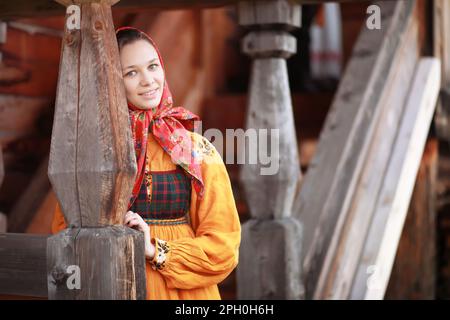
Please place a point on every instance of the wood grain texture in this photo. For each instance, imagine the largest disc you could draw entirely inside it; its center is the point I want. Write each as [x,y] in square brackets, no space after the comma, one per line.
[441,50]
[270,255]
[103,275]
[280,12]
[414,275]
[348,131]
[23,264]
[63,148]
[92,165]
[274,260]
[395,195]
[348,238]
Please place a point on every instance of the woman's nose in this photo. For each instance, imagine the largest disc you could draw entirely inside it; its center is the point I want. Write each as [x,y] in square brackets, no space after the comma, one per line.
[146,79]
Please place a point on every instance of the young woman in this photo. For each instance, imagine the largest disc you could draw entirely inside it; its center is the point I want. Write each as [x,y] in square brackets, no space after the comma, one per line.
[182,198]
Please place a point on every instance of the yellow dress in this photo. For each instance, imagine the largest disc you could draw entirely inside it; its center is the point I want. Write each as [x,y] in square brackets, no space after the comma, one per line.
[191,259]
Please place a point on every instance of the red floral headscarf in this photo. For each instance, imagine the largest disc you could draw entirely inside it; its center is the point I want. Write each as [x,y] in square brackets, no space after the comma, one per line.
[169,126]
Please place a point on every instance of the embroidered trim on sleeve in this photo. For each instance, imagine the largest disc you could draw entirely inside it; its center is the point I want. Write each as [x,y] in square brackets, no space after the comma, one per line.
[162,248]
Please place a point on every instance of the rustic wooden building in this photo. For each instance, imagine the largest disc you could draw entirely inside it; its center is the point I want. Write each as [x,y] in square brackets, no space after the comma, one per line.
[359,206]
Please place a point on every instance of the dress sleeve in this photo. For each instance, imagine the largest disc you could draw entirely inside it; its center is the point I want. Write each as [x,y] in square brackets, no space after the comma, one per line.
[58,222]
[213,253]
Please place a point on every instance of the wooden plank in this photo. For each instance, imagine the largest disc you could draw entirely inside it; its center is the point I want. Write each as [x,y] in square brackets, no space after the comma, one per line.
[441,50]
[23,264]
[28,203]
[413,275]
[331,179]
[393,200]
[110,263]
[348,239]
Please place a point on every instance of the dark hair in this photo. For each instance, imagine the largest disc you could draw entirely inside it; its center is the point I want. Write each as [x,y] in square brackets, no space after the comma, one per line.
[128,36]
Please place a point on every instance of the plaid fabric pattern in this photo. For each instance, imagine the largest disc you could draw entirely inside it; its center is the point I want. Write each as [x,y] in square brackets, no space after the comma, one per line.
[171,195]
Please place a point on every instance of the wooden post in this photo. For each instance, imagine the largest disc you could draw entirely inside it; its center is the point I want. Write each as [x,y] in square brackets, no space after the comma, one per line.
[92,165]
[269,265]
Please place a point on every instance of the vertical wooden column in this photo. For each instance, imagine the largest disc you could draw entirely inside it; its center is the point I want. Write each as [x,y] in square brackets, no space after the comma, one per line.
[92,165]
[269,266]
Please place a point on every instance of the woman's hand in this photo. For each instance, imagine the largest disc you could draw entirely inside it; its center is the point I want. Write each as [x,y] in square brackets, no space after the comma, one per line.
[135,221]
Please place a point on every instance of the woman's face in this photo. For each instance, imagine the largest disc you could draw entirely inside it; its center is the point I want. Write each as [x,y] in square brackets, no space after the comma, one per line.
[142,73]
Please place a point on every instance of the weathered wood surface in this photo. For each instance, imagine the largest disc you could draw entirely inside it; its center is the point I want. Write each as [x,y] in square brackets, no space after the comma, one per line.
[62,162]
[28,8]
[92,168]
[413,275]
[348,238]
[441,50]
[23,266]
[334,171]
[271,235]
[381,244]
[268,246]
[29,202]
[110,261]
[263,12]
[92,162]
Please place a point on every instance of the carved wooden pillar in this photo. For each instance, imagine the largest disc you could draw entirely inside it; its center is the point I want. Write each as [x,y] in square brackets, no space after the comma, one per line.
[269,266]
[92,165]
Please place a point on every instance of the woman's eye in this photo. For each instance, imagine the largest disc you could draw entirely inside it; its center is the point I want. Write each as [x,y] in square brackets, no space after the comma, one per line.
[153,66]
[131,73]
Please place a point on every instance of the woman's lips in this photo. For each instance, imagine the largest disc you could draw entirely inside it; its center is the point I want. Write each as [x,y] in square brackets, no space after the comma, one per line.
[150,94]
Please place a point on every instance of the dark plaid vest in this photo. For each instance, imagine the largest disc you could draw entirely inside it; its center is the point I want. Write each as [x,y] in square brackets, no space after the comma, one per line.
[170,199]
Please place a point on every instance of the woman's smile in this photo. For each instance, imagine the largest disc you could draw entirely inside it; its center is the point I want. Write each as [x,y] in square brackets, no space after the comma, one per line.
[151,94]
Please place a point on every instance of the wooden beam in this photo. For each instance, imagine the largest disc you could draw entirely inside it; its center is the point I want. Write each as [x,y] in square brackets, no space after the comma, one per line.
[29,202]
[33,8]
[328,186]
[348,239]
[381,245]
[414,272]
[441,50]
[109,262]
[23,264]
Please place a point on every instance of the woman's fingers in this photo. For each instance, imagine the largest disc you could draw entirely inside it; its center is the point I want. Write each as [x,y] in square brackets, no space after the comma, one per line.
[128,216]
